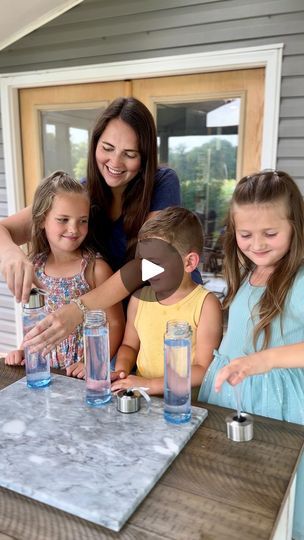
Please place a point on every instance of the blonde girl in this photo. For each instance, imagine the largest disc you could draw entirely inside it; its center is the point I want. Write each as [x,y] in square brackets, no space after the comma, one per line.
[65,265]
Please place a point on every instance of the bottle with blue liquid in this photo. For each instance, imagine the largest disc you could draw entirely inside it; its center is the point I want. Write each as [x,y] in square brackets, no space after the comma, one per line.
[177,381]
[97,358]
[37,367]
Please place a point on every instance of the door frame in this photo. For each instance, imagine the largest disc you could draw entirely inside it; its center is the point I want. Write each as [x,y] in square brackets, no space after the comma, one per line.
[267,56]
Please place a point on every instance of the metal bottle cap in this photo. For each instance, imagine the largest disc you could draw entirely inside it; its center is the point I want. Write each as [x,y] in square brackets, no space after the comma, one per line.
[240,429]
[128,401]
[36,299]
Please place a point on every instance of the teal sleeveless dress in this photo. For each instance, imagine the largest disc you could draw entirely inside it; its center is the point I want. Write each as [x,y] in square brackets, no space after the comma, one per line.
[277,394]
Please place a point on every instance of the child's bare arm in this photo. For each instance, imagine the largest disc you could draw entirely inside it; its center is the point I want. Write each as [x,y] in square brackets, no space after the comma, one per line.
[76,370]
[115,315]
[286,356]
[125,360]
[208,337]
[127,356]
[15,358]
[153,386]
[127,352]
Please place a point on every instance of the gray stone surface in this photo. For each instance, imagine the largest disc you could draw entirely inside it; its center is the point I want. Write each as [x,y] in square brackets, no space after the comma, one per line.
[98,464]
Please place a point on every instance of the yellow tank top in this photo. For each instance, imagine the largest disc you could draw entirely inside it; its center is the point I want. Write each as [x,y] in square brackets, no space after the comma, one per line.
[150,322]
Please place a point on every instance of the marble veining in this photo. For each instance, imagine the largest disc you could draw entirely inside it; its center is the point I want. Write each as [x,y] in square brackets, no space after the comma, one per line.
[98,464]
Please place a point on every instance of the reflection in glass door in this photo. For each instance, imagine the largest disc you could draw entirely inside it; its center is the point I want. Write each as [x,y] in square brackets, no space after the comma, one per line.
[55,126]
[65,138]
[199,140]
[209,131]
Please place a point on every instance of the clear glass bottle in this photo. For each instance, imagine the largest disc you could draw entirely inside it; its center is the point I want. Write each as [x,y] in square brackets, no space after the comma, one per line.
[177,381]
[37,366]
[97,358]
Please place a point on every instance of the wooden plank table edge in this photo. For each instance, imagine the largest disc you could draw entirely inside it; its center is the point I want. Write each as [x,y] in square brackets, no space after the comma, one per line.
[214,422]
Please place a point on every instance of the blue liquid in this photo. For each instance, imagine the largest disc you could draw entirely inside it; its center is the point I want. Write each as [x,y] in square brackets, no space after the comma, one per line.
[179,410]
[97,357]
[98,398]
[39,381]
[37,370]
[177,387]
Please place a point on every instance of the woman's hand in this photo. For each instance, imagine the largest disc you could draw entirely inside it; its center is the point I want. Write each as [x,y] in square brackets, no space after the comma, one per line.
[16,268]
[53,329]
[18,273]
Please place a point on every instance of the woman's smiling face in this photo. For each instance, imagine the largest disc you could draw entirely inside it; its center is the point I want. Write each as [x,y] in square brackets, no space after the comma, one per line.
[117,154]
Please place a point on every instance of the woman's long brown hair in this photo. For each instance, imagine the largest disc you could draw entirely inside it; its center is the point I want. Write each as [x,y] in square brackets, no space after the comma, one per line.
[265,187]
[138,193]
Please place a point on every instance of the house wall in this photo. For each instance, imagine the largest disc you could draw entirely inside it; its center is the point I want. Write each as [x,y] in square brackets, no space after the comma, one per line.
[98,32]
[7,313]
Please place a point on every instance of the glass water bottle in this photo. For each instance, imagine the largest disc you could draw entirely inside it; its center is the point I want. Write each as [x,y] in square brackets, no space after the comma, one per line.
[97,358]
[177,381]
[37,366]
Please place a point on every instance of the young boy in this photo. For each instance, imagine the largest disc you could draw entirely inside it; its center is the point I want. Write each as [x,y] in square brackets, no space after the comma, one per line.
[173,240]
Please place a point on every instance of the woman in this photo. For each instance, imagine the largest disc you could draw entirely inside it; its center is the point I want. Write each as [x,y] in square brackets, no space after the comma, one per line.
[125,187]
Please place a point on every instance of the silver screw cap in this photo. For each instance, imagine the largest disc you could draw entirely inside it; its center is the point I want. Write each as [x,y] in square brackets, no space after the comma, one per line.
[36,299]
[240,429]
[128,401]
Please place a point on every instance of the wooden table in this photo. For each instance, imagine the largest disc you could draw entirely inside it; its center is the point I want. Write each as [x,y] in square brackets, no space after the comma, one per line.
[215,489]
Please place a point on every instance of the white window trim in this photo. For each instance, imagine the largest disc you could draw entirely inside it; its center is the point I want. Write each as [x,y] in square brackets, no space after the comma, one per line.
[267,56]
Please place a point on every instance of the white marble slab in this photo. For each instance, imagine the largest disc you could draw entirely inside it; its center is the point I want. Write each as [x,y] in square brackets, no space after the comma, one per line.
[98,464]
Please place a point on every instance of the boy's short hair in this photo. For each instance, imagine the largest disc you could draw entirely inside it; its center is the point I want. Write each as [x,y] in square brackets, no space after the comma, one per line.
[178,226]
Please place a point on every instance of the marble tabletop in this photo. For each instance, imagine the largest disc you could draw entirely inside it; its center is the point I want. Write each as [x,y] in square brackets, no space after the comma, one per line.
[98,464]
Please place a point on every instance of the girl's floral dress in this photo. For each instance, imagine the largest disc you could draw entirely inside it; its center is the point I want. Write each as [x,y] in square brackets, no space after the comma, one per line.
[60,291]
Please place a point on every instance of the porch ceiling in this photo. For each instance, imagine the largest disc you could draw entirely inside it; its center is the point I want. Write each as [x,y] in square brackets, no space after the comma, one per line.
[20,18]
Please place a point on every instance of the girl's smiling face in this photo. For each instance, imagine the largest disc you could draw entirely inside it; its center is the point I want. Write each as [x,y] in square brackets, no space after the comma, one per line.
[263,232]
[117,155]
[66,223]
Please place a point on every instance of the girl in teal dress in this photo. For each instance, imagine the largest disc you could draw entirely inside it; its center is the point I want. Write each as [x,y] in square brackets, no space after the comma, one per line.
[264,269]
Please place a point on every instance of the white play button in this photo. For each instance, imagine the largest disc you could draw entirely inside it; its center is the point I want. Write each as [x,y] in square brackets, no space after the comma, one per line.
[163,280]
[150,270]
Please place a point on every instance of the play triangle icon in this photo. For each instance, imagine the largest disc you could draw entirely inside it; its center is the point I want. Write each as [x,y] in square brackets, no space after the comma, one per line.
[150,270]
